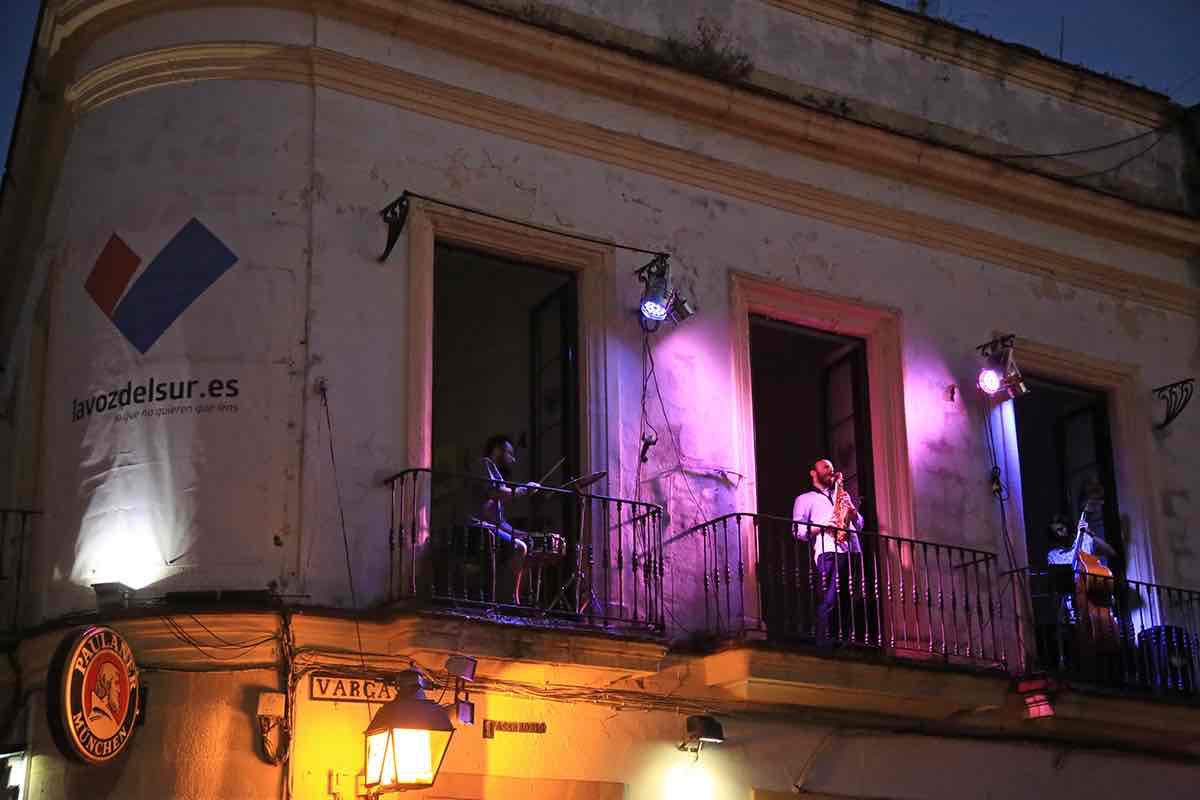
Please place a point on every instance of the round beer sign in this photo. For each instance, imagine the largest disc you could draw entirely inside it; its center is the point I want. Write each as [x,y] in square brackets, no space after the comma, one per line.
[95,681]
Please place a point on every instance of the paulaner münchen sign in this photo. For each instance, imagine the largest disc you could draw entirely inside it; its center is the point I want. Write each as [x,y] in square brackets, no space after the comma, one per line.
[93,695]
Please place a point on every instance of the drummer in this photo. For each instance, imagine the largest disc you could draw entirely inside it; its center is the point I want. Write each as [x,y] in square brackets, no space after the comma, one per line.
[490,491]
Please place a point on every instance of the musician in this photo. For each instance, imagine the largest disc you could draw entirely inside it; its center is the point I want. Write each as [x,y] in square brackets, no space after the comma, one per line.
[1065,544]
[490,492]
[832,553]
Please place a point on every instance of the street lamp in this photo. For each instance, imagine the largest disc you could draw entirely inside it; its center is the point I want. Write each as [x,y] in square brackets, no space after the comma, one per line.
[406,740]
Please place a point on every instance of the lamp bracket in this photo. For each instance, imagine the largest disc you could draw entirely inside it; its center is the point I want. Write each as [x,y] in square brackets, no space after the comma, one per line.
[656,265]
[1176,395]
[997,345]
[394,214]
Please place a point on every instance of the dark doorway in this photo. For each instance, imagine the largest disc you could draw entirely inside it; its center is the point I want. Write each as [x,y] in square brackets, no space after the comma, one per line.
[504,361]
[810,401]
[1065,446]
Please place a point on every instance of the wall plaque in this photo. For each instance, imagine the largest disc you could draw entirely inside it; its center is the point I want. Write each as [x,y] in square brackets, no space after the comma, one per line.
[351,690]
[93,695]
[490,726]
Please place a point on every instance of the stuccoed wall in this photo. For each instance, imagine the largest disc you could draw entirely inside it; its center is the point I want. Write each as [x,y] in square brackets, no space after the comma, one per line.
[199,742]
[290,177]
[877,81]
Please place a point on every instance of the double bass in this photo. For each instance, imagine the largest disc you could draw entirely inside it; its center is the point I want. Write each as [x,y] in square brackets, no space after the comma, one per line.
[1094,598]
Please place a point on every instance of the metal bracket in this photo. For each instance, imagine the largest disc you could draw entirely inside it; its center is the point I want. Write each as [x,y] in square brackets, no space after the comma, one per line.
[394,214]
[1176,395]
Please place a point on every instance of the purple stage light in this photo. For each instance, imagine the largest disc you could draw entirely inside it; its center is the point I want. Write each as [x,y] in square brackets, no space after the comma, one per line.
[990,380]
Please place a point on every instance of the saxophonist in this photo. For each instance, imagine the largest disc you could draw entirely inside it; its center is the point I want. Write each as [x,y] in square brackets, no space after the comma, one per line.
[825,517]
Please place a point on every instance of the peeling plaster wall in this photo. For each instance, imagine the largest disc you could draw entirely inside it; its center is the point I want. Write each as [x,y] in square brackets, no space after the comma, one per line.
[296,189]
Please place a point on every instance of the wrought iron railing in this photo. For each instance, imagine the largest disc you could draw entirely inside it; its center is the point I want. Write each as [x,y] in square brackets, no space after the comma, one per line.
[1109,632]
[591,559]
[16,530]
[770,575]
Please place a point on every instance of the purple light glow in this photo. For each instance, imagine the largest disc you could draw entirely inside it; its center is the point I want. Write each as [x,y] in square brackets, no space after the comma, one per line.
[990,380]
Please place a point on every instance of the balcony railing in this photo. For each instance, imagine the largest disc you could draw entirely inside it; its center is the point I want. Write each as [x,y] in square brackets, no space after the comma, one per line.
[592,560]
[1109,632]
[897,595]
[16,529]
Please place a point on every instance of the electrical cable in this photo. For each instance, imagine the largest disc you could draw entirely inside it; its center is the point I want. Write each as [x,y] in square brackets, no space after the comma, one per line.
[671,431]
[535,226]
[323,388]
[1121,163]
[1161,129]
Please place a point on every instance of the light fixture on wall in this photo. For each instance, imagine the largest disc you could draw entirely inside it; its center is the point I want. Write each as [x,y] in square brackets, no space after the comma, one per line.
[660,300]
[999,373]
[406,740]
[112,595]
[701,729]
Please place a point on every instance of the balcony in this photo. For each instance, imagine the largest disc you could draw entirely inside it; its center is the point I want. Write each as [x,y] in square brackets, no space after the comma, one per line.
[16,529]
[593,561]
[898,597]
[1108,634]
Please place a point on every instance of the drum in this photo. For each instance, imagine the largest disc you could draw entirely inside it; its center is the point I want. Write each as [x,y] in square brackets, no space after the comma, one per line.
[546,548]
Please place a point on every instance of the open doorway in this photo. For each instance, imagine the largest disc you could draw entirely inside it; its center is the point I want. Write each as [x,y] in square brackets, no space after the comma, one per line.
[1065,449]
[504,362]
[810,400]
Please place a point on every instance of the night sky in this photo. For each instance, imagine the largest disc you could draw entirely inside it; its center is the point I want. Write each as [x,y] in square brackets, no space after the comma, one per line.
[1154,43]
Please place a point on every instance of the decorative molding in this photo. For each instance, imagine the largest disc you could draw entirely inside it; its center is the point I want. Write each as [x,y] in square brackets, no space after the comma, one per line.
[934,38]
[880,328]
[510,45]
[187,64]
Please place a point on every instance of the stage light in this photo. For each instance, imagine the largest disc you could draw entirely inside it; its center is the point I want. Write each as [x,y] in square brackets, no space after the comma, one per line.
[406,740]
[1000,374]
[699,730]
[660,300]
[656,296]
[990,380]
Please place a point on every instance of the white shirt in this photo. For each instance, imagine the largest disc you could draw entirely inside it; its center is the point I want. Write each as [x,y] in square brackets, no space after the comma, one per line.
[1066,555]
[816,508]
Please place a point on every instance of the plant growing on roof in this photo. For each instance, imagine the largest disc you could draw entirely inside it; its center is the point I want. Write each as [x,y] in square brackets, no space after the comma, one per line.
[710,52]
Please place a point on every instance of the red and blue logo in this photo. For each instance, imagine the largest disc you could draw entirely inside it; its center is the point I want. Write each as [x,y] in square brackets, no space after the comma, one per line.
[189,264]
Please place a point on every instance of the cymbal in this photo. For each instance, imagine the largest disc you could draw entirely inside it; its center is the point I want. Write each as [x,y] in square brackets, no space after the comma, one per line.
[583,481]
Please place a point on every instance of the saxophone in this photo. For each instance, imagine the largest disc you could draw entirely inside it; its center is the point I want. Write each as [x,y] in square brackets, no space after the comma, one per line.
[841,510]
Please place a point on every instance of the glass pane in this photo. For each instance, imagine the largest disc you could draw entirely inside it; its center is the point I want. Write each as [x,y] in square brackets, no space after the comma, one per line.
[841,393]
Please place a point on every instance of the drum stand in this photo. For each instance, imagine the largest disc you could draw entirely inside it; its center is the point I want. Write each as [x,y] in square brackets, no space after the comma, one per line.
[580,578]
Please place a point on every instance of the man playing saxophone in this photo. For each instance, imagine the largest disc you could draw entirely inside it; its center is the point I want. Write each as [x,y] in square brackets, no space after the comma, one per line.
[825,517]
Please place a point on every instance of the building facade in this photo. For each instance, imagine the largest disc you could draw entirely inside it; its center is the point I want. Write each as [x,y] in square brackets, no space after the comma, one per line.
[236,388]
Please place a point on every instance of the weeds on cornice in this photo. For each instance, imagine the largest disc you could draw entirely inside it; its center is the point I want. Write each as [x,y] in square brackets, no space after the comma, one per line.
[710,52]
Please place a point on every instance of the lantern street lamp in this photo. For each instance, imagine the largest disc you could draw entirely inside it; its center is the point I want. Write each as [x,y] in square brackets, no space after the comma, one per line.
[406,740]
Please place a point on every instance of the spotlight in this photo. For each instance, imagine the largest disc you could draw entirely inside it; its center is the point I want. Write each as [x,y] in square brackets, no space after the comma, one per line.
[112,595]
[660,300]
[699,730]
[990,380]
[1000,373]
[656,297]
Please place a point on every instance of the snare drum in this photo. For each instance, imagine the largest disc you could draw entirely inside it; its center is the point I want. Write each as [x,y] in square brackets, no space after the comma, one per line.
[546,547]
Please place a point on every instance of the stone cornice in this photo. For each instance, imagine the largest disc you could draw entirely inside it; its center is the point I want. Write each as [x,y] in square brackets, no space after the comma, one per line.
[943,41]
[513,45]
[240,60]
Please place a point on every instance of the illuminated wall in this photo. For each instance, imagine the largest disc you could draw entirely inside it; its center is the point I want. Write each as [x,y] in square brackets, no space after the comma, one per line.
[288,179]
